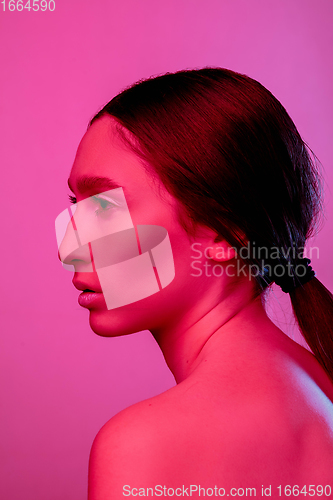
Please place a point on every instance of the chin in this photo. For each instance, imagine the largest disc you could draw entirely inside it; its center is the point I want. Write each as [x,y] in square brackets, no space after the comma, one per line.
[120,321]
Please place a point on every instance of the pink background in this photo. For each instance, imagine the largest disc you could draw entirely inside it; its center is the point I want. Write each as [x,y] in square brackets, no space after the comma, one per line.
[60,382]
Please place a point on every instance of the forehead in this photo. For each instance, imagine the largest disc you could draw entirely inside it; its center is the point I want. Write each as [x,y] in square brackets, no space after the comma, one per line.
[102,153]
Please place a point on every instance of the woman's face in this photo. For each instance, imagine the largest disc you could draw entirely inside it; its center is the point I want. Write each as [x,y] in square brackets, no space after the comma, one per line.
[104,162]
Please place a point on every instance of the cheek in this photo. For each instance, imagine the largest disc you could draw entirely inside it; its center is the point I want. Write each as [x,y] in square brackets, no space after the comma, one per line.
[160,309]
[157,309]
[146,314]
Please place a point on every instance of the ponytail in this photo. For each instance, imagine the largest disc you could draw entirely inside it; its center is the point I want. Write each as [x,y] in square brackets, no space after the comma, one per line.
[313,308]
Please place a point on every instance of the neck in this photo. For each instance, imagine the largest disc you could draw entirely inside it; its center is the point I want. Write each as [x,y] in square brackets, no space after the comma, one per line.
[188,342]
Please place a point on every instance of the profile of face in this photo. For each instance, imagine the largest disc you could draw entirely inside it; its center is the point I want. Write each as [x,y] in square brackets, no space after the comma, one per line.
[111,182]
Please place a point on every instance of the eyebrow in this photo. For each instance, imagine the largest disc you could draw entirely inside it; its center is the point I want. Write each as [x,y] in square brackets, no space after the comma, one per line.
[86,184]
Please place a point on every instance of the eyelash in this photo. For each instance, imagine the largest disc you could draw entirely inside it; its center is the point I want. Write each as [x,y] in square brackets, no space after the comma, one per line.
[100,201]
[72,199]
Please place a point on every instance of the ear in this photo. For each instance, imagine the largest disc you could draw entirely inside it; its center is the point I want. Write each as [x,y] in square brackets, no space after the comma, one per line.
[220,251]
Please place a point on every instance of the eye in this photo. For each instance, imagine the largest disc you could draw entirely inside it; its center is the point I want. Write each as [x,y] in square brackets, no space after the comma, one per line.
[104,203]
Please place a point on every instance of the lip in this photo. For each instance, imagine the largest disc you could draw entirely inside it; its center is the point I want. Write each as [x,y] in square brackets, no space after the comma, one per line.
[91,292]
[83,286]
[86,298]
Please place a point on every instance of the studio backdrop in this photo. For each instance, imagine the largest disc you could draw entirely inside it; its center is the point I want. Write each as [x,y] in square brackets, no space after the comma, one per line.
[59,64]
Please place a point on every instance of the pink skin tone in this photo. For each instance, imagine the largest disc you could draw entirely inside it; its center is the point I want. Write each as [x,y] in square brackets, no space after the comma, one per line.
[189,300]
[240,379]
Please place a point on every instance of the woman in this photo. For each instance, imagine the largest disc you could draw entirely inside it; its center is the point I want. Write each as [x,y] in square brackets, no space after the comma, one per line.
[211,156]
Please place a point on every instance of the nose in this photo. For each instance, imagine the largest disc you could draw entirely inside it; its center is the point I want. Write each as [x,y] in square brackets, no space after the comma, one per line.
[74,256]
[80,259]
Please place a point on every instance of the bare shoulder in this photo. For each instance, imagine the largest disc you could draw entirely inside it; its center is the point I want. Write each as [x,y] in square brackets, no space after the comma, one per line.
[132,427]
[133,449]
[183,437]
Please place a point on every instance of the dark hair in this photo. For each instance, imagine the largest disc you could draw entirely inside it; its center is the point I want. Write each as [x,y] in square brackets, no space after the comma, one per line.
[226,148]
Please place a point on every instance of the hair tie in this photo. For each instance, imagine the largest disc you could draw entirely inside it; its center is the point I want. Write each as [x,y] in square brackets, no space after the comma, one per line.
[302,272]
